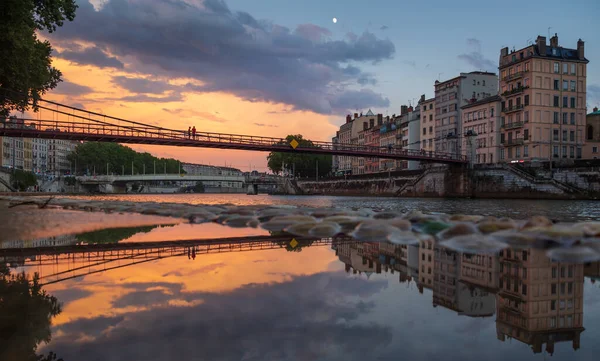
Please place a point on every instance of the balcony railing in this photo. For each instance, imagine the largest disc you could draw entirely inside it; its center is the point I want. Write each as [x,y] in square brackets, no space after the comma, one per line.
[513,125]
[511,142]
[514,76]
[514,108]
[516,90]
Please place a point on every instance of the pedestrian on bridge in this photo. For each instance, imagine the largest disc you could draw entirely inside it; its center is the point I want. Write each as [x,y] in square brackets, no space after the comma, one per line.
[189,132]
[194,132]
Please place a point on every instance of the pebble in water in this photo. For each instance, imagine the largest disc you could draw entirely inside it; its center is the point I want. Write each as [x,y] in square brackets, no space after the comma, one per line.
[577,254]
[431,227]
[300,229]
[474,243]
[281,222]
[325,230]
[591,229]
[461,229]
[241,221]
[403,237]
[537,221]
[513,238]
[495,226]
[558,234]
[373,231]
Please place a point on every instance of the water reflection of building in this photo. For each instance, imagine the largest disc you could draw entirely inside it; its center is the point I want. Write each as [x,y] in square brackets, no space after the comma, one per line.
[539,301]
[445,277]
[536,301]
[63,240]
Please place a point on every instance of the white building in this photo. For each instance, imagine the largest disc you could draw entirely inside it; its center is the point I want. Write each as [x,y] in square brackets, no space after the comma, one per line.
[12,152]
[203,169]
[40,155]
[414,135]
[450,96]
[58,150]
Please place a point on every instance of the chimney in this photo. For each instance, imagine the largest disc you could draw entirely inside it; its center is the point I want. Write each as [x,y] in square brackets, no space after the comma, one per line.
[554,41]
[595,109]
[387,118]
[580,49]
[422,98]
[348,118]
[541,45]
[410,109]
[379,119]
[403,109]
[355,115]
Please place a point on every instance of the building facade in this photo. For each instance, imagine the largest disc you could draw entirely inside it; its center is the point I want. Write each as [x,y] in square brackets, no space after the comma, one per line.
[543,89]
[591,149]
[428,124]
[387,140]
[450,96]
[40,155]
[481,125]
[57,161]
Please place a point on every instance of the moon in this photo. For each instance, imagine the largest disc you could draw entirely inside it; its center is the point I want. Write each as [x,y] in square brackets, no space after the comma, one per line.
[334,20]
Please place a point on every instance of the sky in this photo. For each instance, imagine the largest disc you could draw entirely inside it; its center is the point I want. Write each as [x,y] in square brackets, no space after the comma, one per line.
[278,67]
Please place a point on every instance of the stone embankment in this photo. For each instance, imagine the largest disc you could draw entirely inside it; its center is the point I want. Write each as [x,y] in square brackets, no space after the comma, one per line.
[497,181]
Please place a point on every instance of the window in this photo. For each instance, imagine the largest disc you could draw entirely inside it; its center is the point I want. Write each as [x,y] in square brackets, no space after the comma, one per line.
[573,86]
[502,152]
[556,101]
[565,118]
[526,134]
[594,149]
[573,69]
[564,151]
[424,131]
[556,68]
[525,153]
[524,289]
[553,305]
[579,152]
[553,272]
[572,118]
[564,135]
[572,152]
[572,136]
[556,82]
[565,68]
[555,118]
[555,134]
[526,99]
[590,132]
[565,102]
[573,103]
[518,152]
[555,151]
[553,289]
[483,83]
[526,116]
[565,85]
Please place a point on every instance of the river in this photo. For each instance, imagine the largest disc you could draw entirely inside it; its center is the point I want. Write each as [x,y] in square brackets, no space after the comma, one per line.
[331,299]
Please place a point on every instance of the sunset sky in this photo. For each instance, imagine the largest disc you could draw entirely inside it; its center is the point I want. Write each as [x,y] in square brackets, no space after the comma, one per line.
[278,67]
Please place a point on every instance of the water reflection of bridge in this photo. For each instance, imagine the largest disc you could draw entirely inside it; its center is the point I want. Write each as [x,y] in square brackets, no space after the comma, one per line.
[86,259]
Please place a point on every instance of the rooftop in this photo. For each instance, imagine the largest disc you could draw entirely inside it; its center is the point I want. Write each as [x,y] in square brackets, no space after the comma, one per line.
[493,98]
[595,112]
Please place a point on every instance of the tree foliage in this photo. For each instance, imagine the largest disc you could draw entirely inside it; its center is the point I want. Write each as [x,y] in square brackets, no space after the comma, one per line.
[26,312]
[21,179]
[26,71]
[92,155]
[113,235]
[304,164]
[199,187]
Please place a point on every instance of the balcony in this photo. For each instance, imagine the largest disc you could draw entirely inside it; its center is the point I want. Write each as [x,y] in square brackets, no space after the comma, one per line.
[512,142]
[514,76]
[517,90]
[514,108]
[513,125]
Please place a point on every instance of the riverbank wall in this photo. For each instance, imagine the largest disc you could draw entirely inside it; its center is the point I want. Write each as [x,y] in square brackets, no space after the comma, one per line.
[492,181]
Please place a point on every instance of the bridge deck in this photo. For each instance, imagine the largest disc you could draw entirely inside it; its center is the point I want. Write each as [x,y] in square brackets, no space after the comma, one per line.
[89,126]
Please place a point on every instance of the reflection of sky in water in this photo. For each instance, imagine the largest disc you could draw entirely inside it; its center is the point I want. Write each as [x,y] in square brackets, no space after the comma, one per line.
[275,305]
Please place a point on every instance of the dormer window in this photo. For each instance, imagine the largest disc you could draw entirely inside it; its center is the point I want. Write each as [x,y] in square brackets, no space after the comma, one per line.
[554,51]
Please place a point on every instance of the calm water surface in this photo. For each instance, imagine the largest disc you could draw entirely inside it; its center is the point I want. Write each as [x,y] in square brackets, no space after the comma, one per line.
[262,297]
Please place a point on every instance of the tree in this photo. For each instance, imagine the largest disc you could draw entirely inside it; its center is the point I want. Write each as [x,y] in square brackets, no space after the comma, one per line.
[26,72]
[26,312]
[22,180]
[94,155]
[199,187]
[303,164]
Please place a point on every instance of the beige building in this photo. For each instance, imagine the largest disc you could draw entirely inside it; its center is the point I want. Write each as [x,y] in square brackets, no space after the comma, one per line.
[387,139]
[539,301]
[58,151]
[28,154]
[591,149]
[481,126]
[428,125]
[450,96]
[349,134]
[543,89]
[426,265]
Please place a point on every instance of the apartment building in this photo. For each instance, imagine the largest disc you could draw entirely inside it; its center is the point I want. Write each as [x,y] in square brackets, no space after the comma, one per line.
[591,149]
[58,151]
[28,154]
[426,265]
[12,152]
[387,139]
[539,301]
[481,126]
[350,134]
[40,155]
[543,89]
[428,125]
[414,134]
[450,96]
